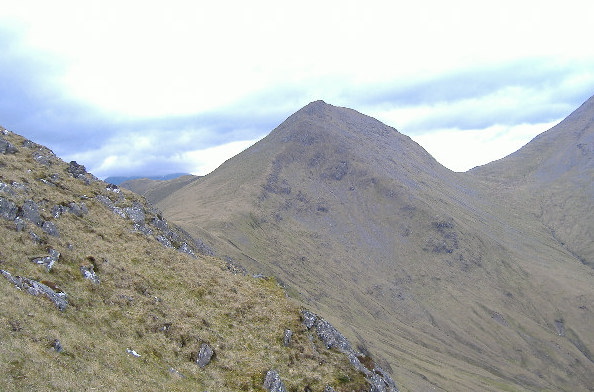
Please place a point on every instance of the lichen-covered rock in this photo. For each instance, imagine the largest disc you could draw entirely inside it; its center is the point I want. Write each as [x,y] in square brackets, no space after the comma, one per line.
[135,214]
[76,170]
[287,337]
[88,272]
[33,287]
[204,356]
[30,211]
[309,318]
[273,382]
[57,345]
[6,147]
[379,380]
[185,248]
[331,337]
[6,188]
[79,210]
[8,210]
[48,261]
[164,241]
[50,229]
[19,224]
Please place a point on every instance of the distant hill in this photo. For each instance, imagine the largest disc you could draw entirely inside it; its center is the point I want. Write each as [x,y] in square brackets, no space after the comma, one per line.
[100,292]
[459,281]
[157,189]
[117,180]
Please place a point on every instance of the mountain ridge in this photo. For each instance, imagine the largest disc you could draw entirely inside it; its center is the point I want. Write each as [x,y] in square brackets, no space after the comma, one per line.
[365,227]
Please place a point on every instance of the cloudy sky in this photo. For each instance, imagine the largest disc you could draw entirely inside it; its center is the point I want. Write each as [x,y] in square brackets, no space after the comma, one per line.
[155,87]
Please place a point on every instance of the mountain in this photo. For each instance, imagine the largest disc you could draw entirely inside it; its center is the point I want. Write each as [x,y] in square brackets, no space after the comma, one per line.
[555,172]
[117,180]
[100,292]
[157,189]
[457,281]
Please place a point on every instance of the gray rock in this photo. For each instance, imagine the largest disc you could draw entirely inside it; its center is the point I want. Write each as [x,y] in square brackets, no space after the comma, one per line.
[160,224]
[35,238]
[30,211]
[328,388]
[164,241]
[273,383]
[78,209]
[143,229]
[135,214]
[48,261]
[17,186]
[6,147]
[331,337]
[8,210]
[185,248]
[50,229]
[89,273]
[41,158]
[6,188]
[19,224]
[106,201]
[204,355]
[58,210]
[33,287]
[386,378]
[56,345]
[379,380]
[309,318]
[76,170]
[287,337]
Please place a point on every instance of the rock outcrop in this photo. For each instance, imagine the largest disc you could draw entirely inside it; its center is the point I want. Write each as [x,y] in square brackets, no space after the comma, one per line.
[379,379]
[33,287]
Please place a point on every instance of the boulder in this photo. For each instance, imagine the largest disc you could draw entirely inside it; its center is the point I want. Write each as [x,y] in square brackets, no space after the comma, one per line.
[30,211]
[135,214]
[273,382]
[88,272]
[8,210]
[287,337]
[205,355]
[76,170]
[48,261]
[50,229]
[6,147]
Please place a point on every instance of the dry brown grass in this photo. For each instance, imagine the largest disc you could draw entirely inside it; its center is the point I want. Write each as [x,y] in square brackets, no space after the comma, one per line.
[159,302]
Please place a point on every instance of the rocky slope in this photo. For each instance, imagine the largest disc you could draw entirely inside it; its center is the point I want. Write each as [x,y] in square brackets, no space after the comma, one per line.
[453,279]
[100,292]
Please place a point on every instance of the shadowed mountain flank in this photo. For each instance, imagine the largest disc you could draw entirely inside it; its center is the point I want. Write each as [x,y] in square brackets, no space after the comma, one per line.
[458,281]
[555,172]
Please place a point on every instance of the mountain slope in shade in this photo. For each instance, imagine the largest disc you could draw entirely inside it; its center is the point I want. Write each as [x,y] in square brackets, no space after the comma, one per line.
[455,287]
[555,171]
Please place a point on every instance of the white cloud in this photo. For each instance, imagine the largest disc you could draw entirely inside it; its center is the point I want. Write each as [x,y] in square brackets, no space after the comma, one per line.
[461,150]
[134,61]
[206,160]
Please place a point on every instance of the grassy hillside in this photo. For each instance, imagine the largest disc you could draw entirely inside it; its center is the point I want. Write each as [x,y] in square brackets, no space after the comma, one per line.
[157,190]
[456,284]
[100,293]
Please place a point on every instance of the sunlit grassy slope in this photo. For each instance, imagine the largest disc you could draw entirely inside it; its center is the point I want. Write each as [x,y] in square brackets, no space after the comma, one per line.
[152,300]
[459,281]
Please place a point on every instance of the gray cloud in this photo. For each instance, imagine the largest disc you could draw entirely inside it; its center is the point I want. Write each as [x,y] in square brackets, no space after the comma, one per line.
[549,89]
